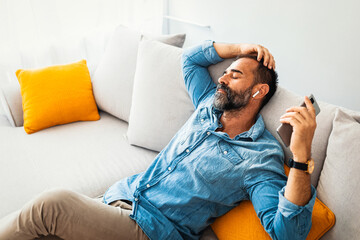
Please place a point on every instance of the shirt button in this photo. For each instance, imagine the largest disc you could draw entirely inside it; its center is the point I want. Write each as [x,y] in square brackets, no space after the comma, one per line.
[136,199]
[147,185]
[208,133]
[169,168]
[187,150]
[225,152]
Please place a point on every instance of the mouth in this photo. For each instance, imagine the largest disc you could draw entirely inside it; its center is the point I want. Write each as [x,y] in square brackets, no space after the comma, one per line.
[221,90]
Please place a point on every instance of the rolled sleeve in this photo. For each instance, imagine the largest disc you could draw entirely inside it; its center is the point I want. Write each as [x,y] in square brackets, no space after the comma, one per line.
[281,218]
[290,210]
[210,53]
[195,61]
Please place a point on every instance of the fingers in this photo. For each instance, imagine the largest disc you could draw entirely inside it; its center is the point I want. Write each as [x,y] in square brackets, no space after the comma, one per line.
[263,53]
[310,106]
[305,115]
[272,62]
[301,110]
[266,57]
[308,111]
[292,121]
[260,52]
[295,115]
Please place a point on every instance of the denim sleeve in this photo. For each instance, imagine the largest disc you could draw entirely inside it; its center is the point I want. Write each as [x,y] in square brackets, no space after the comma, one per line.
[281,218]
[195,61]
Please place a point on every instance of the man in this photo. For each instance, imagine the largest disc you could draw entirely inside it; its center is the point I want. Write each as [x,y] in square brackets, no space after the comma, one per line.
[221,156]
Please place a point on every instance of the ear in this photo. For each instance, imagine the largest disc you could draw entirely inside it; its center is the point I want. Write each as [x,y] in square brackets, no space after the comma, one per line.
[263,90]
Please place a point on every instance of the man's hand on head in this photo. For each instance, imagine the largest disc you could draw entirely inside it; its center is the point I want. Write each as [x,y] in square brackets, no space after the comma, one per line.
[262,53]
[303,121]
[227,50]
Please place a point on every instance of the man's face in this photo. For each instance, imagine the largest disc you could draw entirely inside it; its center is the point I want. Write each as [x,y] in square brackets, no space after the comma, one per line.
[235,86]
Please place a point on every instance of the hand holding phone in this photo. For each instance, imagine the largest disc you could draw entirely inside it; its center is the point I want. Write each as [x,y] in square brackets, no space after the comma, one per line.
[285,130]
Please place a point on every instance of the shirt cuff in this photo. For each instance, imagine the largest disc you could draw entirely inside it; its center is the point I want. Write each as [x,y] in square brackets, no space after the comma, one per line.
[289,209]
[210,53]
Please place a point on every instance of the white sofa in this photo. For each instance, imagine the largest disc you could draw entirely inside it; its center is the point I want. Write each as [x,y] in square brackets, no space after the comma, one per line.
[88,157]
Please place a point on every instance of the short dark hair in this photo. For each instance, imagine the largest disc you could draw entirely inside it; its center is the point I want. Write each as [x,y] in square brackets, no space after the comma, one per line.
[265,75]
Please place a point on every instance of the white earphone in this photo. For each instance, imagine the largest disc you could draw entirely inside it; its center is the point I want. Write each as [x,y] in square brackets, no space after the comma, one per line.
[256,94]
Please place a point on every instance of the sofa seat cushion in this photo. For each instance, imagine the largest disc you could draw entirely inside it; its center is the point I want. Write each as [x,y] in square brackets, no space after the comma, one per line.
[86,157]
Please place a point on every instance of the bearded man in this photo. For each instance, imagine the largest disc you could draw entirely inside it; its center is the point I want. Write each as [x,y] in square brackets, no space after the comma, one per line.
[221,156]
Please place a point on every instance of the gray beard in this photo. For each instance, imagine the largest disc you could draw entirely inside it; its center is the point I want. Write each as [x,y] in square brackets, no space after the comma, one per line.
[231,100]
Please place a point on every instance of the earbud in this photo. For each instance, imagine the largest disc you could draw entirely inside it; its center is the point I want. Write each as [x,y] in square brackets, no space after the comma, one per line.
[256,94]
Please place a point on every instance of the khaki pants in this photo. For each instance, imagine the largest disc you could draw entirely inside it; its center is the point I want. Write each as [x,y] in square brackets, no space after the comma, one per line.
[70,215]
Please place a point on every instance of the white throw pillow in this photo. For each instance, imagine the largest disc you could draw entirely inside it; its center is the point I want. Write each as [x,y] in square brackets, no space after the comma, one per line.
[160,102]
[338,185]
[114,76]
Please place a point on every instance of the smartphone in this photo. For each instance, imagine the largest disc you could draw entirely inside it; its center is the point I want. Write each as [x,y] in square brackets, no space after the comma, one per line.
[285,130]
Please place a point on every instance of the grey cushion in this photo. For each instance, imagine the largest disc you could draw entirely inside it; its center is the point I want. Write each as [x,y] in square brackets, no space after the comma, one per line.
[339,181]
[158,77]
[4,121]
[161,104]
[114,76]
[10,97]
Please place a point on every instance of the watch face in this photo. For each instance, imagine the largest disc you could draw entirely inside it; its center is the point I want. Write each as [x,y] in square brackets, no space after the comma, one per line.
[311,166]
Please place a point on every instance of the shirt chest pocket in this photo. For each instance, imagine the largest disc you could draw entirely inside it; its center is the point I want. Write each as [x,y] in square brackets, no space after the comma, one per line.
[221,161]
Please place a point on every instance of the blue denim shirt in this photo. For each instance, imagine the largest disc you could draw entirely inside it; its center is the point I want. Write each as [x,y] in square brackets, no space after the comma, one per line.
[202,174]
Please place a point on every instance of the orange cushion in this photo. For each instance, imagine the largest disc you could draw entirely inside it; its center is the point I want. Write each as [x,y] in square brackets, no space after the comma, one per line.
[56,95]
[243,223]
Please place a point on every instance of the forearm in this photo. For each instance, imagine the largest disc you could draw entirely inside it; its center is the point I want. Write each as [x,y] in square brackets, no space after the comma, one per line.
[195,62]
[226,50]
[298,186]
[281,218]
[292,221]
[303,121]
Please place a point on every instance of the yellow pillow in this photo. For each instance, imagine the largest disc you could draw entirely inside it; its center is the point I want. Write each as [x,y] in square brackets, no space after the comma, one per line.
[243,223]
[56,95]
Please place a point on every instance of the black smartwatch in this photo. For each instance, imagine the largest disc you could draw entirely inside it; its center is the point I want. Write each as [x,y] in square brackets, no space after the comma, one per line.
[307,167]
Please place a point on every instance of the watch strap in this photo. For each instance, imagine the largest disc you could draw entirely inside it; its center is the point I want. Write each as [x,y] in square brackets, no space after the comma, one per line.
[298,165]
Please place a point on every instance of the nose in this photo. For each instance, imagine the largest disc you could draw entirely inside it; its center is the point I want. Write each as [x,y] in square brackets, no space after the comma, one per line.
[223,79]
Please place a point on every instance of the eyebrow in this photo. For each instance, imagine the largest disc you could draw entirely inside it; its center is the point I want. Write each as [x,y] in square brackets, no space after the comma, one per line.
[235,70]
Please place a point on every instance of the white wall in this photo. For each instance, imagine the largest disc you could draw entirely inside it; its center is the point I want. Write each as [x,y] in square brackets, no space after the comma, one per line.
[41,33]
[316,44]
[33,32]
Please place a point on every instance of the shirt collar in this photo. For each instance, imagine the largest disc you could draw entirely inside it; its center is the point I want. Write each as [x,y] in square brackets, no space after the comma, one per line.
[253,133]
[216,112]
